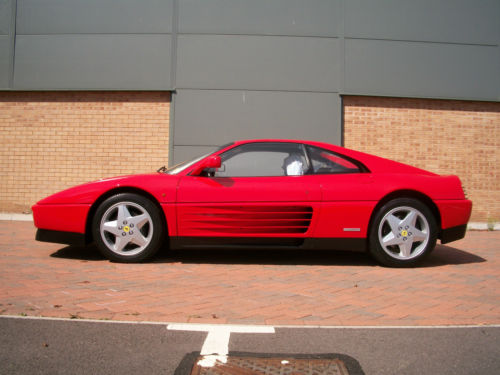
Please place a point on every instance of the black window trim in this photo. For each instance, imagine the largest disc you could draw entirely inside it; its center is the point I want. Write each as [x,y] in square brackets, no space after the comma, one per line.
[302,146]
[305,151]
[361,166]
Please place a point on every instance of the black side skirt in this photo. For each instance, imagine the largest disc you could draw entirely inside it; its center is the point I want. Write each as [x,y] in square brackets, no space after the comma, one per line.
[453,233]
[346,244]
[68,238]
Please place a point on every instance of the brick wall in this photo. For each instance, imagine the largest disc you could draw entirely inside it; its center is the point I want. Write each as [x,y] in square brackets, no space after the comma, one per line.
[443,136]
[53,140]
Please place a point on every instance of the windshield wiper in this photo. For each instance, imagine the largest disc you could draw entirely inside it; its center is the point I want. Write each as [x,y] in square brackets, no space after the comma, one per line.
[162,169]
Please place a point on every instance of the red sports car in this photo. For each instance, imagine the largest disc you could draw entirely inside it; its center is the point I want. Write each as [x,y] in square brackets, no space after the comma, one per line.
[283,193]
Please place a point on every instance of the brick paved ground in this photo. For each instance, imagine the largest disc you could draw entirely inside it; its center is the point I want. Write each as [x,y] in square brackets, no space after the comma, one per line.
[458,284]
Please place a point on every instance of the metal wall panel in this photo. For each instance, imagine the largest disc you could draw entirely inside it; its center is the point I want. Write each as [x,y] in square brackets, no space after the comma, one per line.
[258,62]
[5,58]
[291,46]
[260,17]
[183,153]
[94,16]
[92,62]
[376,67]
[5,16]
[6,45]
[455,21]
[215,117]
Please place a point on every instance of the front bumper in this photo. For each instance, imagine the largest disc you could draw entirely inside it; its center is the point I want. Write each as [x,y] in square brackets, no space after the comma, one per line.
[68,238]
[61,217]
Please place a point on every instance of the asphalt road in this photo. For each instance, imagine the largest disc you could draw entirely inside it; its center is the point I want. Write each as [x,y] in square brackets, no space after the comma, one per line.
[42,346]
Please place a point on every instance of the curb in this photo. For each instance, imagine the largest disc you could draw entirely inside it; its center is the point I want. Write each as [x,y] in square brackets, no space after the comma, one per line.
[16,217]
[483,226]
[208,326]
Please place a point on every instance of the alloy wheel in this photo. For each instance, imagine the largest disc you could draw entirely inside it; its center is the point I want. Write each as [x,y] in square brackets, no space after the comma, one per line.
[126,228]
[404,233]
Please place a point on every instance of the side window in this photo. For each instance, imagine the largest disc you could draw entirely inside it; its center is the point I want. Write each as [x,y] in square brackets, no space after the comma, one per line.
[327,162]
[263,159]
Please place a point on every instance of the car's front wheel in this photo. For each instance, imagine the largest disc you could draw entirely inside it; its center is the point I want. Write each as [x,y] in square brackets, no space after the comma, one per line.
[403,232]
[128,228]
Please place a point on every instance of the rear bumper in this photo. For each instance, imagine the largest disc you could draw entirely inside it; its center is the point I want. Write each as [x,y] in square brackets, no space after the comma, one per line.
[454,213]
[453,233]
[68,238]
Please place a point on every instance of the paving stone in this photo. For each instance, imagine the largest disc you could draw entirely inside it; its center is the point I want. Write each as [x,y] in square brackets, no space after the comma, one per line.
[457,284]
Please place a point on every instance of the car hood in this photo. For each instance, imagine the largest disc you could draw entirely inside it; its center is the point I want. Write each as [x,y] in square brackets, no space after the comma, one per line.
[156,184]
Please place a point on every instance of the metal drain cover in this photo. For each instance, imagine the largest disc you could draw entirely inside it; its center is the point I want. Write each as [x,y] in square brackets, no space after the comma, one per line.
[248,365]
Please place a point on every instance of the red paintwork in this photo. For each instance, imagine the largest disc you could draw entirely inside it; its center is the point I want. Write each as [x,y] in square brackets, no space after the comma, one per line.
[65,217]
[318,206]
[212,161]
[454,212]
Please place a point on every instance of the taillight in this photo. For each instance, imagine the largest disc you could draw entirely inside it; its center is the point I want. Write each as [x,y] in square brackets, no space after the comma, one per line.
[464,190]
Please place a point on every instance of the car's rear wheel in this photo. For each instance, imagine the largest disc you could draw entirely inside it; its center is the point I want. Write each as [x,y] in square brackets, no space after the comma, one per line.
[128,228]
[403,232]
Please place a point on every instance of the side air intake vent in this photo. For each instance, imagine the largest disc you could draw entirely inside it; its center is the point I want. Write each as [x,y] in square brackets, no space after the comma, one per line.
[249,220]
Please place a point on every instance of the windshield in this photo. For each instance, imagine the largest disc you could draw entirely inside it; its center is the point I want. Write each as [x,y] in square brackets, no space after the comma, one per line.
[186,164]
[178,168]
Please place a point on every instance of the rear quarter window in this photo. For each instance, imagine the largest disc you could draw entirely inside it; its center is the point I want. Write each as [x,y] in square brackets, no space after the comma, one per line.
[327,162]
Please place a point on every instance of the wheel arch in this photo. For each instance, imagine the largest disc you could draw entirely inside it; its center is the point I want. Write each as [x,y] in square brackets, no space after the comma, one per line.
[408,194]
[120,190]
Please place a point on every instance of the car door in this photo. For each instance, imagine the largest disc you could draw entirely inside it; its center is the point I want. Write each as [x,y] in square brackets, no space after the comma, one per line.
[259,191]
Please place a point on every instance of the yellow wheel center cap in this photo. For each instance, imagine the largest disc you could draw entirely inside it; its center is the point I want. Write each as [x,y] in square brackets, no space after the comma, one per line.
[126,229]
[404,233]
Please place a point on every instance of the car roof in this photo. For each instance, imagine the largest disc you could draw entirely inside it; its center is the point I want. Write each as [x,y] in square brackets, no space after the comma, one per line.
[373,163]
[309,142]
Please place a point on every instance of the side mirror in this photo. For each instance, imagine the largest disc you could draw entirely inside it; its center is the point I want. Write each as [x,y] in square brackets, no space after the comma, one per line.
[210,162]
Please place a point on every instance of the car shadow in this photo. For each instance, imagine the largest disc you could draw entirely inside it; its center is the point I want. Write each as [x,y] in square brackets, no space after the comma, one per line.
[264,256]
[442,255]
[84,253]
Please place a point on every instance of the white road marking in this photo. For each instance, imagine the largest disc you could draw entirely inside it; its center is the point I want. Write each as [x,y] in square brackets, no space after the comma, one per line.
[217,342]
[236,328]
[216,345]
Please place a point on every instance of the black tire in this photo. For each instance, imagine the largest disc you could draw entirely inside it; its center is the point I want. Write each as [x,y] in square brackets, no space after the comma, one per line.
[396,240]
[128,228]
